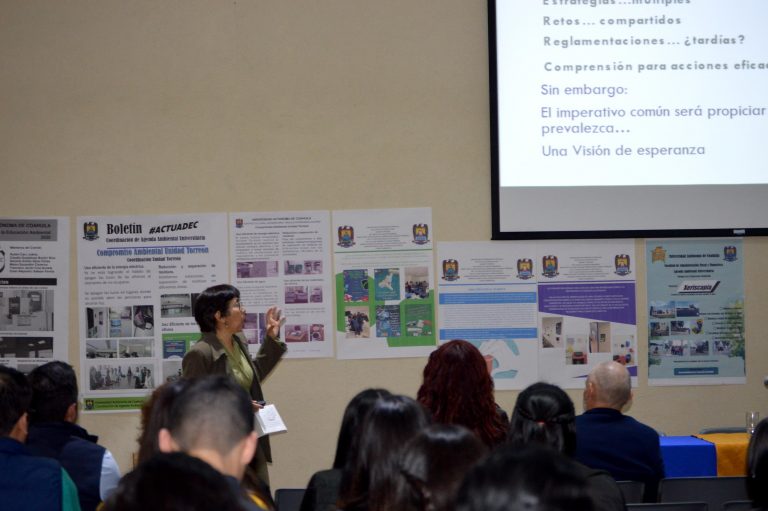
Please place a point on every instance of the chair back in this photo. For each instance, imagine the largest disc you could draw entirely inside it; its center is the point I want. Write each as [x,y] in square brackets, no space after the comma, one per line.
[713,490]
[632,491]
[669,506]
[738,505]
[288,499]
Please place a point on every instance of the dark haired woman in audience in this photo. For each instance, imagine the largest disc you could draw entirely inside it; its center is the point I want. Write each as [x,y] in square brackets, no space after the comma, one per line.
[222,349]
[527,478]
[433,466]
[323,487]
[544,414]
[368,480]
[458,389]
[757,466]
[154,417]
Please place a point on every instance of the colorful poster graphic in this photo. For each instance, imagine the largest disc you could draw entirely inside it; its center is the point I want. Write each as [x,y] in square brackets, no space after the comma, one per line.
[284,258]
[586,308]
[695,311]
[34,291]
[487,296]
[138,279]
[385,295]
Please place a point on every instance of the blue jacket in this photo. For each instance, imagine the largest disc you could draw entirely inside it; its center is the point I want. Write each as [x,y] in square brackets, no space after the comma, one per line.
[28,482]
[77,452]
[629,450]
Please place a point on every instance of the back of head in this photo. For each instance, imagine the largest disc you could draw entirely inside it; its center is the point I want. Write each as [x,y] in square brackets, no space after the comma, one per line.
[433,465]
[544,414]
[531,478]
[54,390]
[173,482]
[376,451]
[212,412]
[611,386]
[353,418]
[457,389]
[15,398]
[757,465]
[156,415]
[212,300]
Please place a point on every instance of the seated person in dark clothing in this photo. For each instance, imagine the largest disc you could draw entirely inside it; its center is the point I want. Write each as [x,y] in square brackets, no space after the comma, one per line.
[26,481]
[174,482]
[528,478]
[544,414]
[53,433]
[212,419]
[612,441]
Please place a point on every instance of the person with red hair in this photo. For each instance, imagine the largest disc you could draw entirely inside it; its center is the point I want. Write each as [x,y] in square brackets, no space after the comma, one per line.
[458,389]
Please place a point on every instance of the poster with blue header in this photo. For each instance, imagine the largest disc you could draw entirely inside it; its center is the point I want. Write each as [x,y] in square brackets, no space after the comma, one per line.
[695,312]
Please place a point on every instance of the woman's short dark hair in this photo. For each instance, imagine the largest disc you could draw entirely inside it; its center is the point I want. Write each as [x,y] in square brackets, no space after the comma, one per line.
[527,478]
[368,478]
[353,418]
[433,466]
[212,300]
[544,414]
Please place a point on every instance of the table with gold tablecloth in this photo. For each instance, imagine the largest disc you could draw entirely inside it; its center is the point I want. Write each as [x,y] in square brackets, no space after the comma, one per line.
[731,449]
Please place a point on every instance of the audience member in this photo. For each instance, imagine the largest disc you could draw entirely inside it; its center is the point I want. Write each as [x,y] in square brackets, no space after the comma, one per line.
[433,466]
[323,487]
[53,433]
[544,414]
[612,441]
[458,389]
[367,482]
[174,482]
[528,478]
[155,415]
[212,419]
[757,466]
[27,482]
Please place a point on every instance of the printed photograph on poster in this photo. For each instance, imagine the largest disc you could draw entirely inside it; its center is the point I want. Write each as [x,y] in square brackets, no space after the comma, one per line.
[385,283]
[696,311]
[280,258]
[34,291]
[139,277]
[487,296]
[586,309]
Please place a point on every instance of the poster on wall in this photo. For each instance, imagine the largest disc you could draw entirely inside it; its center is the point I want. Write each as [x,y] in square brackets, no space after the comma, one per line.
[139,277]
[385,294]
[284,259]
[34,291]
[586,308]
[487,296]
[695,312]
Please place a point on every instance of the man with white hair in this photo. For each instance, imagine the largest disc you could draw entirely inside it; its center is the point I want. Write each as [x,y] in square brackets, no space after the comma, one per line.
[607,439]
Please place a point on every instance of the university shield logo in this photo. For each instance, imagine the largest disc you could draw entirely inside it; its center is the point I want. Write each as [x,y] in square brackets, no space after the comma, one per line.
[621,263]
[550,265]
[346,235]
[90,231]
[239,223]
[524,269]
[450,269]
[658,254]
[729,253]
[420,234]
